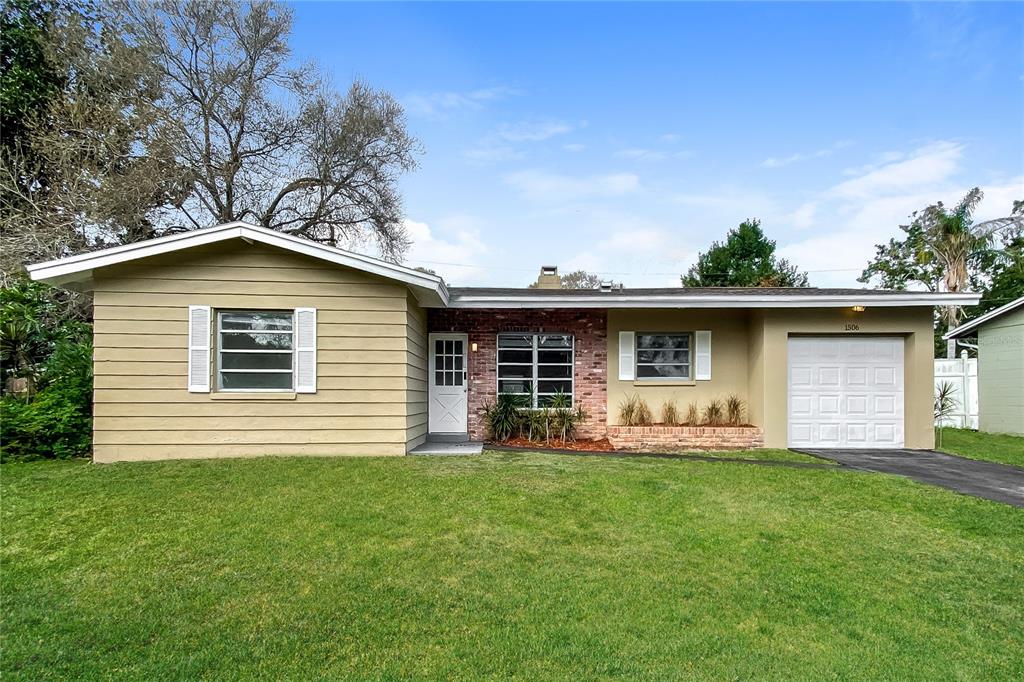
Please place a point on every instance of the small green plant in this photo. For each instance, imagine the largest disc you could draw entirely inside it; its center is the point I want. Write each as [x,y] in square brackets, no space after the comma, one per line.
[692,414]
[714,413]
[734,408]
[670,413]
[945,405]
[503,418]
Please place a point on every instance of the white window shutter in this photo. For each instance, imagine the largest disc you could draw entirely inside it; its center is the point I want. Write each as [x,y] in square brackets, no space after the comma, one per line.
[703,365]
[199,349]
[627,356]
[305,350]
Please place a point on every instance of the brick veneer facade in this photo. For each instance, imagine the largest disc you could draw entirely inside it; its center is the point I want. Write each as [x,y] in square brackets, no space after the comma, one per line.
[685,437]
[588,327]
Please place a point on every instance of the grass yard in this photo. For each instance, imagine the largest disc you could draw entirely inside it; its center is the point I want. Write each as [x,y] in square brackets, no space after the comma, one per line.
[525,566]
[994,447]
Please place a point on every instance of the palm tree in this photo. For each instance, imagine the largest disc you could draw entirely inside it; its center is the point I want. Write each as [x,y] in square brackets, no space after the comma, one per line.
[954,240]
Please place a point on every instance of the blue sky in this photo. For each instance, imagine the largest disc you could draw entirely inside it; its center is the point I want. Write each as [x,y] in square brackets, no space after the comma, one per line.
[624,138]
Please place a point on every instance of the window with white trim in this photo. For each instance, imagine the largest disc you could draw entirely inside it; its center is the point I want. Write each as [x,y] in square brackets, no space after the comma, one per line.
[536,365]
[255,350]
[664,356]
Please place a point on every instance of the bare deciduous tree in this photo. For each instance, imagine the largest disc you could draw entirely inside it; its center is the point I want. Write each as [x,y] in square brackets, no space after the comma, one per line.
[268,142]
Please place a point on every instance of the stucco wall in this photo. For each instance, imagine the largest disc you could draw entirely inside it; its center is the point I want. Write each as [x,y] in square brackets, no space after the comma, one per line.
[1001,374]
[769,378]
[729,358]
[370,376]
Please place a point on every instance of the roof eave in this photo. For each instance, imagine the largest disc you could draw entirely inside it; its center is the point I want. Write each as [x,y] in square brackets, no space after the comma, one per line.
[970,326]
[717,301]
[76,271]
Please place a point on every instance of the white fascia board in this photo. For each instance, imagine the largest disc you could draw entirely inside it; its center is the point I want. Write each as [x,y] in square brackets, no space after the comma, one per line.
[75,268]
[978,321]
[717,301]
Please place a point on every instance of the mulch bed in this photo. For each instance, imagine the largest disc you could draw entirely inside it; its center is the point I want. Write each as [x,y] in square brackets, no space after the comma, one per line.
[581,445]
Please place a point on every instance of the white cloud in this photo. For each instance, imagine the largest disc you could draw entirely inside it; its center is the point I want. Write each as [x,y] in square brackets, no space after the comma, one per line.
[922,169]
[455,255]
[670,137]
[868,209]
[773,162]
[532,131]
[543,186]
[442,104]
[574,147]
[803,216]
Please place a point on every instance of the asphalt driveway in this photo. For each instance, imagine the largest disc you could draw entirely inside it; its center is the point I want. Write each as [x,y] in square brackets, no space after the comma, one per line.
[991,481]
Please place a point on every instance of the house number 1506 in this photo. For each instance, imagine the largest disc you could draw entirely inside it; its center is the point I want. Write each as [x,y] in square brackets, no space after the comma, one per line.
[851,327]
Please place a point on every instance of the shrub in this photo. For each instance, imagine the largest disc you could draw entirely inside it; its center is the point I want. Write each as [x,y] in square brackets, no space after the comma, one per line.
[713,413]
[692,415]
[503,418]
[670,413]
[57,421]
[734,410]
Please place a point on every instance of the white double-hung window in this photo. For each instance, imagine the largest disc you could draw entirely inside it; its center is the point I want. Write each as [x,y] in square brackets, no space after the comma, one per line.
[255,350]
[536,365]
[663,356]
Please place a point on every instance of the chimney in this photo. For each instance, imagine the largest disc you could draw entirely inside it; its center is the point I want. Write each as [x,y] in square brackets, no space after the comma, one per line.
[549,278]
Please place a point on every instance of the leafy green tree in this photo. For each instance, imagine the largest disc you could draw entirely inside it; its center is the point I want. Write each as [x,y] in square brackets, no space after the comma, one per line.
[28,78]
[745,259]
[945,250]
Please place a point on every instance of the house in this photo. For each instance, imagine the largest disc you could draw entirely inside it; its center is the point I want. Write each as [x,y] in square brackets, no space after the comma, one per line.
[237,340]
[1000,335]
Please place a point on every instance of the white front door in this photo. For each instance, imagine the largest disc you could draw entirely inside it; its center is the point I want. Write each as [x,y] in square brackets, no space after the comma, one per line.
[447,409]
[846,392]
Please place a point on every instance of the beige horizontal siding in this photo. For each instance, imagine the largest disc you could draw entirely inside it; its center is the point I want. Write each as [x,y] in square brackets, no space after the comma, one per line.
[266,300]
[116,453]
[157,355]
[245,423]
[197,286]
[368,343]
[371,388]
[416,361]
[257,408]
[156,313]
[180,395]
[324,369]
[275,436]
[165,327]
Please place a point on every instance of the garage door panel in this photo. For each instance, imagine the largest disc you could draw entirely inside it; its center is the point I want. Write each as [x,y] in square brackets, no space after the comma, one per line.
[856,405]
[857,432]
[846,392]
[856,376]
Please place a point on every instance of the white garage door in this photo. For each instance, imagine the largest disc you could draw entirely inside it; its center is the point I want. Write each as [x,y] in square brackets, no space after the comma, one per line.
[846,392]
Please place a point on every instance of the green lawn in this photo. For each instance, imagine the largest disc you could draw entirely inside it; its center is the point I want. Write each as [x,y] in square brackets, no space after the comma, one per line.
[525,566]
[993,447]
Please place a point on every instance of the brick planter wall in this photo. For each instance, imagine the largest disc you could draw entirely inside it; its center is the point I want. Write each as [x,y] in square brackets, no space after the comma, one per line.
[589,327]
[685,437]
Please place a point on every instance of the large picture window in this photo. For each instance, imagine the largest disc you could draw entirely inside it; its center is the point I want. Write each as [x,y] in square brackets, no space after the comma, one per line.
[255,350]
[536,365]
[663,356]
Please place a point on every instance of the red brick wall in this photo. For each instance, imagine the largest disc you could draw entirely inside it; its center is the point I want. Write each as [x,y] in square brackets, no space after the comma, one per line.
[685,437]
[589,327]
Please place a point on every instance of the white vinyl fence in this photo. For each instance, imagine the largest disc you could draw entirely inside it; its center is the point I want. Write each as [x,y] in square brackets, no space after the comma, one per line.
[962,373]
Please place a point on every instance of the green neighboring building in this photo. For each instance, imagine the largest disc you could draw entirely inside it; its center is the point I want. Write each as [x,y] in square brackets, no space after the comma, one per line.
[1000,335]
